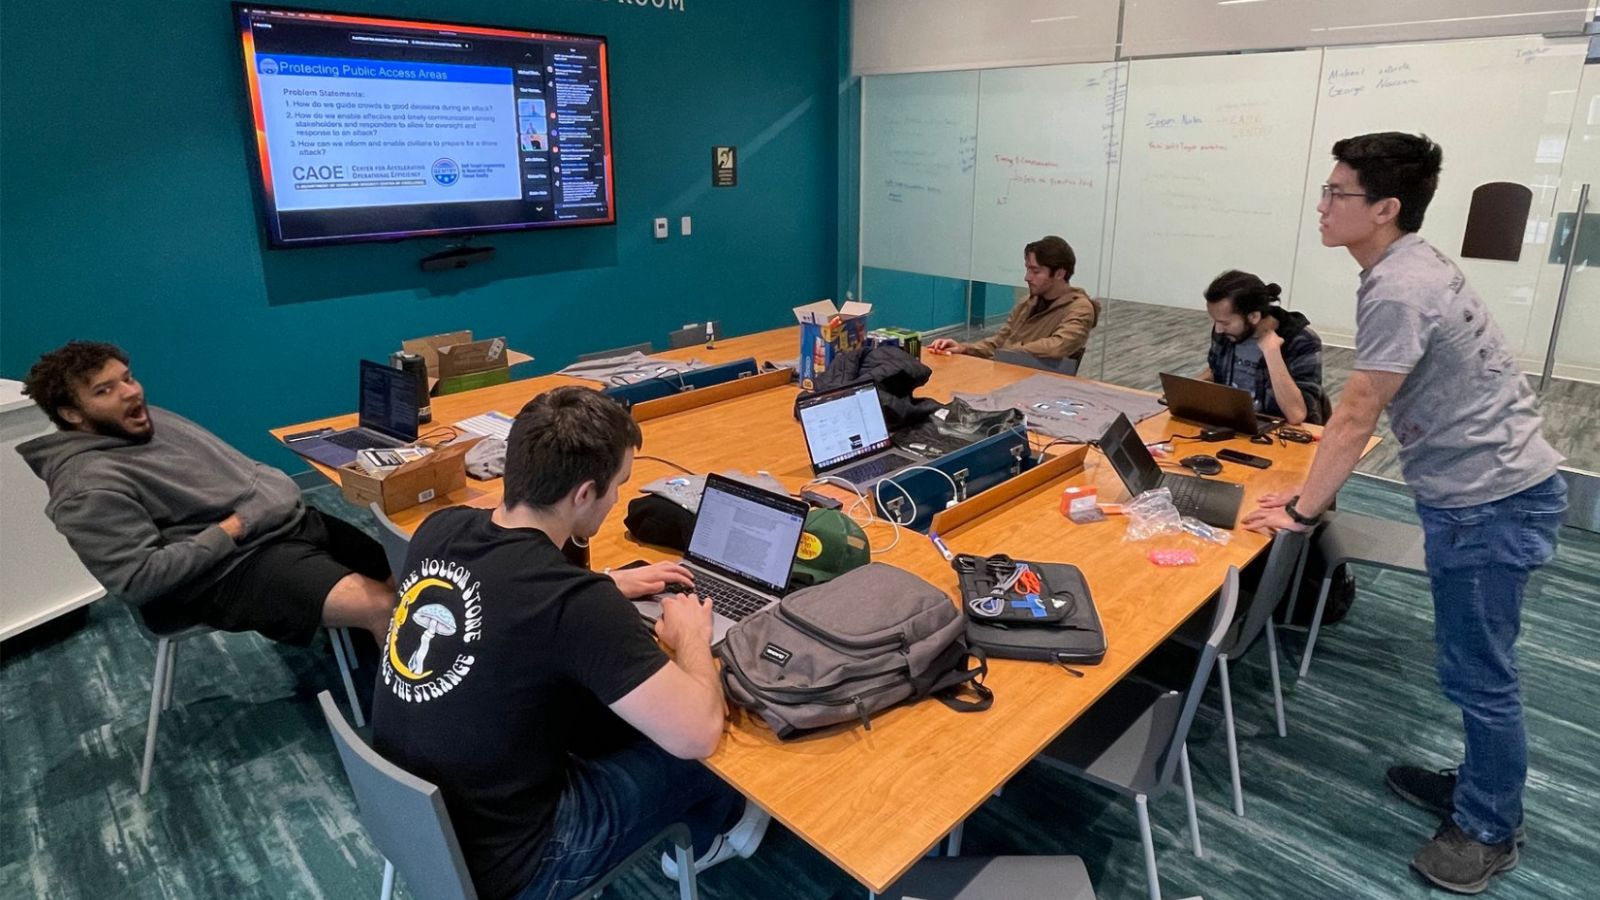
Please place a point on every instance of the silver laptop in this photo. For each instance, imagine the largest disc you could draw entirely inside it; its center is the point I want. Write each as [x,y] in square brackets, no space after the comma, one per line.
[741,550]
[388,418]
[847,436]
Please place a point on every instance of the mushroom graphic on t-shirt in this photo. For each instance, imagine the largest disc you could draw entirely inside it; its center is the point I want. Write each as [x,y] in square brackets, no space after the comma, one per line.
[436,620]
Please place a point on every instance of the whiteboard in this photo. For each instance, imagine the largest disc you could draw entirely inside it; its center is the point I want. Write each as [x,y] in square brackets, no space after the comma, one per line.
[934,35]
[1047,148]
[919,148]
[1499,108]
[1213,161]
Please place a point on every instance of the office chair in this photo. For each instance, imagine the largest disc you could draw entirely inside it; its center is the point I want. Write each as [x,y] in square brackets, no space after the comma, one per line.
[691,334]
[1284,562]
[986,877]
[1067,365]
[1350,538]
[394,541]
[641,347]
[161,681]
[1132,739]
[406,818]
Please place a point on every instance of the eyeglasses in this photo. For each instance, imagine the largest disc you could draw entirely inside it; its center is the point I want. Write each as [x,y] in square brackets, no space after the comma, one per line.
[1330,192]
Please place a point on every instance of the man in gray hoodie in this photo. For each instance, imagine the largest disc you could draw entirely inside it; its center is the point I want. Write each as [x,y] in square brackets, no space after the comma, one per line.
[185,527]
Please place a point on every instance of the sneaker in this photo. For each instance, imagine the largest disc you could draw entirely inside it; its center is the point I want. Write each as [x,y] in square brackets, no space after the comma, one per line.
[1433,791]
[1456,862]
[741,840]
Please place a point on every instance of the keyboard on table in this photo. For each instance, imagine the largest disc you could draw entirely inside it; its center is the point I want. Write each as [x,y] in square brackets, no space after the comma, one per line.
[1186,492]
[727,599]
[360,440]
[873,468]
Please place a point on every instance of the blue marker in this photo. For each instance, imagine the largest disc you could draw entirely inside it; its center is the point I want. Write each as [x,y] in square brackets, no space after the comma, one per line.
[939,545]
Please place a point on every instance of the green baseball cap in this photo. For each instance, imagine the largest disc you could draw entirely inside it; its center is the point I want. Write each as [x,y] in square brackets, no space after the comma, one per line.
[832,545]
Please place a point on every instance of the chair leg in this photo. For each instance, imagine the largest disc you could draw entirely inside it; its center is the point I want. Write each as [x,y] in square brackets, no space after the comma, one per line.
[1188,796]
[1141,805]
[953,848]
[350,649]
[158,684]
[1233,739]
[172,667]
[344,673]
[1277,683]
[688,885]
[1316,624]
[388,880]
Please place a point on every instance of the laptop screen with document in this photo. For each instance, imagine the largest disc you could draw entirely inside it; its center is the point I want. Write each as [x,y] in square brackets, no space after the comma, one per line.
[843,425]
[388,400]
[747,532]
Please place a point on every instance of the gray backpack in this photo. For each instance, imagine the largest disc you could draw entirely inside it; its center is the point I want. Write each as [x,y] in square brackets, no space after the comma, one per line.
[841,651]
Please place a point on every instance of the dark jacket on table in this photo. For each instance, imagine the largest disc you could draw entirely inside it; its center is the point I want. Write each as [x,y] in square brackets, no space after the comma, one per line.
[895,373]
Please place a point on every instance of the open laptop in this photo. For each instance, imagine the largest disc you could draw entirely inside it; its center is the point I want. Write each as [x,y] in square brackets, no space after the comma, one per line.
[847,436]
[1216,405]
[1212,502]
[741,550]
[388,418]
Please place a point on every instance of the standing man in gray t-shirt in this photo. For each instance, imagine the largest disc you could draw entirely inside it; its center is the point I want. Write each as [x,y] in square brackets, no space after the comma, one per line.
[1487,489]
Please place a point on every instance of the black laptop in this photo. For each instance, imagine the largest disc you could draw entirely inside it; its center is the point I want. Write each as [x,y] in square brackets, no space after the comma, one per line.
[388,418]
[1215,405]
[1212,502]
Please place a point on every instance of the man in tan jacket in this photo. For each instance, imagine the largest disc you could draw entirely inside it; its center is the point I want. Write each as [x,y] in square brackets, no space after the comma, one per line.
[1053,322]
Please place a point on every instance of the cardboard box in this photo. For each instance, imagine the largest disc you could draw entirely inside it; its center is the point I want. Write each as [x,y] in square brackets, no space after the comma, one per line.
[440,472]
[459,354]
[825,332]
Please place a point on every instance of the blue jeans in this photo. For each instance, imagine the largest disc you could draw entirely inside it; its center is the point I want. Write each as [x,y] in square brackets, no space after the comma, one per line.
[613,804]
[1479,559]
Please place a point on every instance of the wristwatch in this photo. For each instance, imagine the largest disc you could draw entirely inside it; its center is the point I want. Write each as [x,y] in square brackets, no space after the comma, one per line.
[1294,514]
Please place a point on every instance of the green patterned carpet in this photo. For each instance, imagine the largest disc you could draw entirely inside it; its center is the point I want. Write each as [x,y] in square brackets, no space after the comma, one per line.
[248,800]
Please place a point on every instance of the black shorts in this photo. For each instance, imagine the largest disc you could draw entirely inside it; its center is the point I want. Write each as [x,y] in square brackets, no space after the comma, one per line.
[279,589]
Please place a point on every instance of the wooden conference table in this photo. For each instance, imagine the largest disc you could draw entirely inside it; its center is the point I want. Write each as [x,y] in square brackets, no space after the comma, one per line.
[875,801]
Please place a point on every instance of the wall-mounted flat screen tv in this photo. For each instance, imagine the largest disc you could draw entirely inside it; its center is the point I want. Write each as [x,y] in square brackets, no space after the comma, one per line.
[378,129]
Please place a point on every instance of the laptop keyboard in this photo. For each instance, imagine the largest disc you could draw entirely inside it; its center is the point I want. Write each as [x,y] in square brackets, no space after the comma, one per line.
[1186,492]
[360,440]
[730,600]
[873,468]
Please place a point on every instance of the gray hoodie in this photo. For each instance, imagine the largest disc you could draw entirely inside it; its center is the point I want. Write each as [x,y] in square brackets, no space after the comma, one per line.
[144,518]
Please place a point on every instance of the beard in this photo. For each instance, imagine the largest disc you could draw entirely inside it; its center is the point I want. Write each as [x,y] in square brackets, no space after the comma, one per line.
[115,428]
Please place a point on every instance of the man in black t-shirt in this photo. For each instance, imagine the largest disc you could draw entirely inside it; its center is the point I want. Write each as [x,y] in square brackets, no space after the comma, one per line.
[532,693]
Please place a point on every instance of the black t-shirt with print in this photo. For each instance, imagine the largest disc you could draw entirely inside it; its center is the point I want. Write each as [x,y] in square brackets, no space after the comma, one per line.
[501,661]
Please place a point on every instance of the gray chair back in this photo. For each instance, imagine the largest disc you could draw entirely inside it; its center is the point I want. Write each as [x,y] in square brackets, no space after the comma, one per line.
[1064,366]
[641,347]
[1283,564]
[1227,604]
[691,334]
[394,541]
[404,816]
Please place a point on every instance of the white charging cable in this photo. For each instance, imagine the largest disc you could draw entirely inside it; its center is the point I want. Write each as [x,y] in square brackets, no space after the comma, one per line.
[861,502]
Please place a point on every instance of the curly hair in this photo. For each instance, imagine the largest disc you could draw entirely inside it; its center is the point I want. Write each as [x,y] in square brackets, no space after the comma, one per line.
[54,379]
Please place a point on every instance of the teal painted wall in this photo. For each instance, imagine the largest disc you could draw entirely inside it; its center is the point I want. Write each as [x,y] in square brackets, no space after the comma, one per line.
[127,212]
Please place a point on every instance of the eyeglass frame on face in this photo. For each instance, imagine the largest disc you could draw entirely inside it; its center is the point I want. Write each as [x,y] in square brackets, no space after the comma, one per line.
[1332,192]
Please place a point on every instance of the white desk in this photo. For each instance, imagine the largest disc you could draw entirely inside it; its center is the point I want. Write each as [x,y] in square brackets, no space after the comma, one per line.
[41,575]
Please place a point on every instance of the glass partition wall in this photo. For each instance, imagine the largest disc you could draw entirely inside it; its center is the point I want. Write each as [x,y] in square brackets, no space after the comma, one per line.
[1163,173]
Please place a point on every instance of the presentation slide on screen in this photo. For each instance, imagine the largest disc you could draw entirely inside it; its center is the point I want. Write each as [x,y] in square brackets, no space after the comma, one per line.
[345,133]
